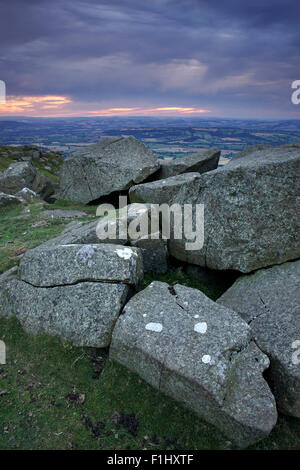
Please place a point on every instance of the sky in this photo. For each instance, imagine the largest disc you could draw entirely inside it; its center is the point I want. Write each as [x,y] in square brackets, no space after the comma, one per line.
[210,58]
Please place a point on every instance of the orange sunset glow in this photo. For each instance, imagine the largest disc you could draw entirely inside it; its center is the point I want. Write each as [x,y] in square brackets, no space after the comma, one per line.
[63,106]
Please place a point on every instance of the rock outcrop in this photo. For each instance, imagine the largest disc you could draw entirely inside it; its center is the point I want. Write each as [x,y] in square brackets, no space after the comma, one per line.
[250,212]
[161,191]
[103,168]
[269,301]
[200,162]
[199,353]
[75,292]
[22,175]
[18,175]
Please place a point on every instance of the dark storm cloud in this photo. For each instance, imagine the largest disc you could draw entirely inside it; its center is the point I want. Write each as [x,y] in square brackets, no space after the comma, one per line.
[187,52]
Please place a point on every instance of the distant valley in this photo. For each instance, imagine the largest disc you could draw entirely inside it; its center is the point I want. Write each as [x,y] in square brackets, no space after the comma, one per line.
[167,137]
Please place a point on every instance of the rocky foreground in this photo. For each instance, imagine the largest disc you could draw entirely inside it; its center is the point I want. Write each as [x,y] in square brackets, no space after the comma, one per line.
[233,362]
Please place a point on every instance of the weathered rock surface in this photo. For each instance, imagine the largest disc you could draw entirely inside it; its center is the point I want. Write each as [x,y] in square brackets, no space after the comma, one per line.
[161,191]
[269,301]
[250,213]
[17,176]
[154,252]
[108,166]
[70,264]
[84,313]
[200,162]
[201,354]
[9,200]
[27,195]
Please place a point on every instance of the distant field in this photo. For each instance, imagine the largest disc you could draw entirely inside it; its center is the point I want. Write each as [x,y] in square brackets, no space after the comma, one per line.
[167,137]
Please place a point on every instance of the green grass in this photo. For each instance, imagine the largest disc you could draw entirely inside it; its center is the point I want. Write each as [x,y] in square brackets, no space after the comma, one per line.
[54,161]
[177,276]
[41,408]
[21,230]
[44,378]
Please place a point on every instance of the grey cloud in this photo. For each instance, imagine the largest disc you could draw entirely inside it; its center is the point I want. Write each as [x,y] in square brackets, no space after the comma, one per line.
[184,50]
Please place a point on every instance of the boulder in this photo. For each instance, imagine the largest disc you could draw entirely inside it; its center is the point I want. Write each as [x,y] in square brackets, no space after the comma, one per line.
[84,313]
[161,191]
[250,212]
[103,168]
[70,264]
[9,200]
[17,176]
[269,301]
[201,354]
[200,162]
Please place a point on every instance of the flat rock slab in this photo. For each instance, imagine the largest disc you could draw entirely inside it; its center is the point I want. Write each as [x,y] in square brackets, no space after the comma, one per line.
[250,212]
[269,301]
[201,354]
[103,168]
[70,264]
[84,314]
[162,191]
[64,214]
[201,162]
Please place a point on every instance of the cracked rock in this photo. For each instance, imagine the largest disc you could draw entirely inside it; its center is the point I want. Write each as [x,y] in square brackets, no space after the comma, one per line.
[70,264]
[199,353]
[84,313]
[269,301]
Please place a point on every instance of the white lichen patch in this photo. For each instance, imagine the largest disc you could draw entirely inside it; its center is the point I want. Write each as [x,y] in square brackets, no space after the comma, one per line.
[85,255]
[206,359]
[201,327]
[125,253]
[157,327]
